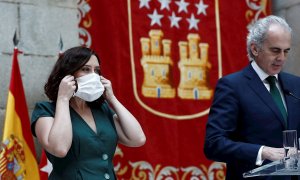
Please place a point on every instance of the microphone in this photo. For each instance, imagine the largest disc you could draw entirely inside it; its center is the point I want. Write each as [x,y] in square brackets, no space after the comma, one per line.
[291,94]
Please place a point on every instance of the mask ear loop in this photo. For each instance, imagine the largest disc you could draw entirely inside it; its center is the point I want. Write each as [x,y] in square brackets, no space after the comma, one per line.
[76,84]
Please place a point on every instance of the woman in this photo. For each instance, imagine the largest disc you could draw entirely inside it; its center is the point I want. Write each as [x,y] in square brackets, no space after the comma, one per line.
[77,128]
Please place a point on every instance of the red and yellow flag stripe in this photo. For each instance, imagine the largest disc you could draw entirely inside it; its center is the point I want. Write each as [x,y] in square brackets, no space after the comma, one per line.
[17,158]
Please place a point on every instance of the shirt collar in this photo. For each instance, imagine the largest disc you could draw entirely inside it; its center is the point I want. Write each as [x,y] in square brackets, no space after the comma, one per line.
[262,75]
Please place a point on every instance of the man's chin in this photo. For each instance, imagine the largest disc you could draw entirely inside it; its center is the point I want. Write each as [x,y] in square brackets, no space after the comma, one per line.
[276,70]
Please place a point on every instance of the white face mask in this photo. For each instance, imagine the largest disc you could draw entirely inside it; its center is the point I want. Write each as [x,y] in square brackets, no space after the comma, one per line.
[90,87]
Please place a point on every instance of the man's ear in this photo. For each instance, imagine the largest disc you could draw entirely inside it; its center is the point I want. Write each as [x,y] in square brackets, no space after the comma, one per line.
[254,49]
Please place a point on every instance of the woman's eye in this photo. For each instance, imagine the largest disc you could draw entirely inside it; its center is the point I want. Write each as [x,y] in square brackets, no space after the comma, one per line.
[85,69]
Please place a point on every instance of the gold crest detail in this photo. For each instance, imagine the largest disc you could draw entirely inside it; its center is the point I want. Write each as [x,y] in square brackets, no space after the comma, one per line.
[157,65]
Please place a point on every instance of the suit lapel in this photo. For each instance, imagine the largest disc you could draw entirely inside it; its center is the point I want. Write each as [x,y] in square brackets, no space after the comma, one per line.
[290,101]
[259,88]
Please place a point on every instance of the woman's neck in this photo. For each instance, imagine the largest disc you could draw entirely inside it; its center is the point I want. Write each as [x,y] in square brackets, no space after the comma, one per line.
[78,104]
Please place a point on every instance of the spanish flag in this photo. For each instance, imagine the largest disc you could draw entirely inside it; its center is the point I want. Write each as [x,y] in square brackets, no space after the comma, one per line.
[17,158]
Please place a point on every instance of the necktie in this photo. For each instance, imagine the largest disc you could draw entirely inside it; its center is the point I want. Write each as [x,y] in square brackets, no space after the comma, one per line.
[276,96]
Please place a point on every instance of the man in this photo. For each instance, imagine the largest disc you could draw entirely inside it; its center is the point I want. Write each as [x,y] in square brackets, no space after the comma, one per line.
[245,122]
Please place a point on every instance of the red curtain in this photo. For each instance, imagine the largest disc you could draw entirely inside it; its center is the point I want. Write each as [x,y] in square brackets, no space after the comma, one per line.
[164,59]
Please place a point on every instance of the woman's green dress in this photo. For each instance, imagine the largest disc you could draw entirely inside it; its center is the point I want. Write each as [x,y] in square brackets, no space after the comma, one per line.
[90,156]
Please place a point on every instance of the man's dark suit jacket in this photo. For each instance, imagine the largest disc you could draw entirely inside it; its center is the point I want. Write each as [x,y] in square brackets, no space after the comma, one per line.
[243,116]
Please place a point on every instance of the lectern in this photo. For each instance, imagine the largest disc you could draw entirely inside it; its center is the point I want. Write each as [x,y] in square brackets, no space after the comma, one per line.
[275,168]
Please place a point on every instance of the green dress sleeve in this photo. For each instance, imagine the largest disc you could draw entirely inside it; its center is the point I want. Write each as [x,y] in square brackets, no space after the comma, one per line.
[41,109]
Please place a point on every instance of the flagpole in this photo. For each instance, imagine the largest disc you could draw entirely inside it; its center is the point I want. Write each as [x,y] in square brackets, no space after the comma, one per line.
[60,45]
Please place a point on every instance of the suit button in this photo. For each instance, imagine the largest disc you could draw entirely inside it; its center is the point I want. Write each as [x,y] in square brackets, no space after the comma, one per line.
[106,176]
[104,157]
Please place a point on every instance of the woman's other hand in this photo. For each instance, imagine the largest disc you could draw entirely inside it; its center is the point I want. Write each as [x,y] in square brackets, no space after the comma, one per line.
[108,93]
[67,87]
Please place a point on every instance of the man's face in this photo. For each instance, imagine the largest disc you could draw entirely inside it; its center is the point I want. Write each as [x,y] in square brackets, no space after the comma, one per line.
[273,53]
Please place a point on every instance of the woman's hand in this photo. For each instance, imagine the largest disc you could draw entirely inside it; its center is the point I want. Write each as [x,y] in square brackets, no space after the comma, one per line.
[108,93]
[67,87]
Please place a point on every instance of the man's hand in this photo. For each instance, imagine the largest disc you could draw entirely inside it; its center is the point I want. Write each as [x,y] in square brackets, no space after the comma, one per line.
[272,154]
